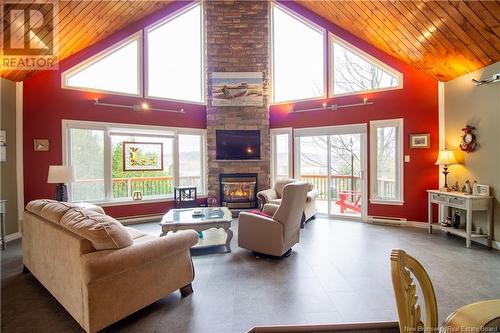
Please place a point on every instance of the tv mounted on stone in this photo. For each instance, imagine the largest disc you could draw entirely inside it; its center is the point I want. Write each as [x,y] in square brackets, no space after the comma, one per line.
[237,145]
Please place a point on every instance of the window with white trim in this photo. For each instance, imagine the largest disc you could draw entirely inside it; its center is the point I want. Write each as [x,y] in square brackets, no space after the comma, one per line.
[173,66]
[298,57]
[116,70]
[281,153]
[101,155]
[175,58]
[386,161]
[354,71]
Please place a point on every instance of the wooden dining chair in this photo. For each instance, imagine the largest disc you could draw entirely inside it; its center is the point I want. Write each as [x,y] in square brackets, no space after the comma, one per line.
[403,268]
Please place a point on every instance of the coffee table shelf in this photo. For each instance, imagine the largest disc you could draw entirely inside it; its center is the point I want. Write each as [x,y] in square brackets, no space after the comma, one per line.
[212,220]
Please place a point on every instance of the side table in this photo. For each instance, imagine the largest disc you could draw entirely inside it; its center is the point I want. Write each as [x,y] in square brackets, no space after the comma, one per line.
[185,196]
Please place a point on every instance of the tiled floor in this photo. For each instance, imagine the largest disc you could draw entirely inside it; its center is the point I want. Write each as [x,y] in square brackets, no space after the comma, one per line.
[338,273]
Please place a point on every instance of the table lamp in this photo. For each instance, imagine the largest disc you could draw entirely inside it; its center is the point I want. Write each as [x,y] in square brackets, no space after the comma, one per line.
[60,175]
[445,158]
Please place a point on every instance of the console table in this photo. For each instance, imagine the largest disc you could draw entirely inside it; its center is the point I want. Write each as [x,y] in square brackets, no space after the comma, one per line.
[469,203]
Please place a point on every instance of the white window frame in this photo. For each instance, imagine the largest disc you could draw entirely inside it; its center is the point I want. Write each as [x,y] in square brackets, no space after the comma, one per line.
[109,50]
[107,127]
[271,50]
[274,132]
[162,21]
[374,199]
[332,38]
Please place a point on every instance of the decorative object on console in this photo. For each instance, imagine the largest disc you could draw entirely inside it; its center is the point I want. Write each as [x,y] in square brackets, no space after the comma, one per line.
[445,158]
[467,189]
[142,156]
[478,189]
[41,145]
[237,89]
[456,220]
[455,187]
[137,195]
[60,175]
[469,143]
[420,140]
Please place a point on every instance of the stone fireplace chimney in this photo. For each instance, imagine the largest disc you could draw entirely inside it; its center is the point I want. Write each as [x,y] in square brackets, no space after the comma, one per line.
[237,34]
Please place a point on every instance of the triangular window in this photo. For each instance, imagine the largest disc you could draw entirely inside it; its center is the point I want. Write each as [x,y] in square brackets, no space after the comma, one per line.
[298,58]
[115,70]
[175,57]
[355,71]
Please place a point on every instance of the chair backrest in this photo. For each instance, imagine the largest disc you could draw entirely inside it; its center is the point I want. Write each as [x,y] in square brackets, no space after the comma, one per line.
[290,211]
[403,266]
[281,183]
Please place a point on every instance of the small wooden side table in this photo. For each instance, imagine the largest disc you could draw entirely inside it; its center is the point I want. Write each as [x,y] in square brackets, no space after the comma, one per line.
[185,196]
[2,224]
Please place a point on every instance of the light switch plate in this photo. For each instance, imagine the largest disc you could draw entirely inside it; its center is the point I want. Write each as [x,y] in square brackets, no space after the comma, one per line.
[407,158]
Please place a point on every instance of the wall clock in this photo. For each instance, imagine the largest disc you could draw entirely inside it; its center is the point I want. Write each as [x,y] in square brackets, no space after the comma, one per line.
[469,143]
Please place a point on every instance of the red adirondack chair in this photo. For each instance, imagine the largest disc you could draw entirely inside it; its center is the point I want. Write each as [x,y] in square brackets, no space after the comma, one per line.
[349,200]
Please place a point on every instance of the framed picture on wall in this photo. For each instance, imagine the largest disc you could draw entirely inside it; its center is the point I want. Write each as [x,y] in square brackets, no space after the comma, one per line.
[142,156]
[237,89]
[420,140]
[41,145]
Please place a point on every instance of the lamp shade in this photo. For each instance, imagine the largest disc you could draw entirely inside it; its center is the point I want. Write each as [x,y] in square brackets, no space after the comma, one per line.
[60,174]
[446,157]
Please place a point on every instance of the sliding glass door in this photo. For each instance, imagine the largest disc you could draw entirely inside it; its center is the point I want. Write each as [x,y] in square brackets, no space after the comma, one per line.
[333,160]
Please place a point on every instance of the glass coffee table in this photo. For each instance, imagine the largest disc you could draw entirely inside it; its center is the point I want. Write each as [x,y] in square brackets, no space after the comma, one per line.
[210,218]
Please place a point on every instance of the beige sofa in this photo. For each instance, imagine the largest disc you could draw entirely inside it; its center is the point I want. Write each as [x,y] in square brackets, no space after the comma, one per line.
[276,233]
[275,194]
[96,268]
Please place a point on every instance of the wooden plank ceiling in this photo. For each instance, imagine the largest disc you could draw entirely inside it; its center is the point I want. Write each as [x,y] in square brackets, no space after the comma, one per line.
[445,39]
[85,22]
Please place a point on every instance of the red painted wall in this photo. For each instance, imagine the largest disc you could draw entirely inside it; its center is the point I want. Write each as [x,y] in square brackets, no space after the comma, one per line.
[46,104]
[416,103]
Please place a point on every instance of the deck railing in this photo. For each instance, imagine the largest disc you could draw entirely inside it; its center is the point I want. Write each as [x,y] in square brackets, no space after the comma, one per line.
[345,183]
[124,187]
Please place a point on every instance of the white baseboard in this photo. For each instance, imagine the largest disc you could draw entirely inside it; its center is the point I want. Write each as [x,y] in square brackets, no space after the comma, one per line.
[11,237]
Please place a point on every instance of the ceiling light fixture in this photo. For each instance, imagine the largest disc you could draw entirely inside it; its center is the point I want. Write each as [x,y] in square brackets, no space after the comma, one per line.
[142,106]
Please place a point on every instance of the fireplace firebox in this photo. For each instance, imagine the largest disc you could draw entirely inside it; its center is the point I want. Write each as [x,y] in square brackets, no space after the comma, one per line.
[238,190]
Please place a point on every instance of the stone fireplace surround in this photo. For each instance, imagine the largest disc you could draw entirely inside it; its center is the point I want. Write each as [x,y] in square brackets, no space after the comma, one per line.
[237,41]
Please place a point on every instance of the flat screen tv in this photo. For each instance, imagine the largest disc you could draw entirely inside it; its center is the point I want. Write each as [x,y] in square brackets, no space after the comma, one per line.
[237,144]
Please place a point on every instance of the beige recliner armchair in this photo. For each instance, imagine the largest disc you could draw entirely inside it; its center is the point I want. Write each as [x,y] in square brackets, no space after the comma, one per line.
[276,233]
[274,196]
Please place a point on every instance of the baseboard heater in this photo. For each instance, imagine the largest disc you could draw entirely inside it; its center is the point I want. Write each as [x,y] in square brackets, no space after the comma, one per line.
[386,220]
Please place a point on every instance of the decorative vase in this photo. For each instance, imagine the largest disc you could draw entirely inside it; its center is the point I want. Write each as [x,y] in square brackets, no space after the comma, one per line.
[456,220]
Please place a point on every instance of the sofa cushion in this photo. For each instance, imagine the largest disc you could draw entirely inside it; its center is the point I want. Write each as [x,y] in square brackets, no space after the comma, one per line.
[103,231]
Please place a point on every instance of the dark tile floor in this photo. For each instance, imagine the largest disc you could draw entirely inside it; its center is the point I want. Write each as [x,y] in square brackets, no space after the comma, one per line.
[338,273]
